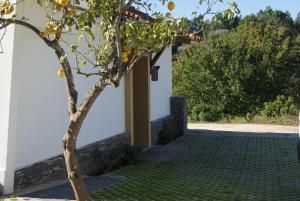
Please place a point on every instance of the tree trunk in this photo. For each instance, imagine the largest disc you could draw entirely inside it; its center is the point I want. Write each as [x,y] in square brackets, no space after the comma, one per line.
[71,160]
[70,138]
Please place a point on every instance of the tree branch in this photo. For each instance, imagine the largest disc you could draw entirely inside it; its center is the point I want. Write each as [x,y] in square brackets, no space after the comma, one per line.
[1,39]
[9,21]
[91,96]
[72,93]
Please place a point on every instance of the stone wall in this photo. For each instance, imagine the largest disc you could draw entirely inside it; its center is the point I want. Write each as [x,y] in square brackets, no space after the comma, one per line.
[157,126]
[94,159]
[179,111]
[169,128]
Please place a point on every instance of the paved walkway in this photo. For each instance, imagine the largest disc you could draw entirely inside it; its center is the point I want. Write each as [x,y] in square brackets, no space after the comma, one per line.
[216,165]
[64,191]
[211,165]
[257,128]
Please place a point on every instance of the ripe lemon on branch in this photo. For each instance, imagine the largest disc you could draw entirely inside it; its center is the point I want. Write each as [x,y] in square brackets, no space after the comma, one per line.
[7,8]
[125,54]
[71,12]
[61,73]
[62,3]
[171,5]
[52,30]
[124,57]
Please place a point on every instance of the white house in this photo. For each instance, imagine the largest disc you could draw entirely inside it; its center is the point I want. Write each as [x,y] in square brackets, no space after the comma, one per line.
[33,114]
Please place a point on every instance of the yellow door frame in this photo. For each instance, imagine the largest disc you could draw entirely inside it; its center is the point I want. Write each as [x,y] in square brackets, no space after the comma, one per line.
[137,103]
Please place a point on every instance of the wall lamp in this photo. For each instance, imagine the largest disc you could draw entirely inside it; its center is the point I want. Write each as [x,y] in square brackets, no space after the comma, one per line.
[154,73]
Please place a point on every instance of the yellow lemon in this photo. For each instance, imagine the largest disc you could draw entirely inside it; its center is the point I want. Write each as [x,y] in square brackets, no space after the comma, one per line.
[52,30]
[71,12]
[124,57]
[62,3]
[61,73]
[171,5]
[9,9]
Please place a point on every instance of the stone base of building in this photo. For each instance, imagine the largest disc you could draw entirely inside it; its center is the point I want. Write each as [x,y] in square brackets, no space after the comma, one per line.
[93,158]
[169,128]
[105,155]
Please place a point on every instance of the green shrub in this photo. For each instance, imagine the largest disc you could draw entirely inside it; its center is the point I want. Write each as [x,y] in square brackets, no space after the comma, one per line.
[240,70]
[281,106]
[205,112]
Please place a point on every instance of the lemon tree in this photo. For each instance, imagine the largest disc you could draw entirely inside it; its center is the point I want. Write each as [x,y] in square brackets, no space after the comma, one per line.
[113,41]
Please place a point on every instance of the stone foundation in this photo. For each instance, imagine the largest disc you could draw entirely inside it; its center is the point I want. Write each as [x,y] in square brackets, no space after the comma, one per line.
[169,128]
[94,159]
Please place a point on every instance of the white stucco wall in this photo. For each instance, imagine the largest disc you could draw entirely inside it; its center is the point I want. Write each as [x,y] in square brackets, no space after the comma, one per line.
[161,90]
[42,116]
[5,80]
[7,111]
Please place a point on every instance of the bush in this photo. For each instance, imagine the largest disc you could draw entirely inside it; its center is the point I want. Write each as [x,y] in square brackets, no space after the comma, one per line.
[281,106]
[205,112]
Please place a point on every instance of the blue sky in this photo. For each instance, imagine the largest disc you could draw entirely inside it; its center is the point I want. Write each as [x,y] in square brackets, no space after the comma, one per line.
[185,7]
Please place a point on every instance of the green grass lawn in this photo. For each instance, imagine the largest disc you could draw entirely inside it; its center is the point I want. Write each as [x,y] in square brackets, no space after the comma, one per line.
[215,167]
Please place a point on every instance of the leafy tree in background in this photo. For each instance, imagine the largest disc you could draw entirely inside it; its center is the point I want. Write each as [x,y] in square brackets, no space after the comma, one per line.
[275,17]
[223,22]
[292,86]
[235,74]
[297,22]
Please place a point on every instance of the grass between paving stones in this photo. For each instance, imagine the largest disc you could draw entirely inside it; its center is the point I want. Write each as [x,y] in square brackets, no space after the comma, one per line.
[215,167]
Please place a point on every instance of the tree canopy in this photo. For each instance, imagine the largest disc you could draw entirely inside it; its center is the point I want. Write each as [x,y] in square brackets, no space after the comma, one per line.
[236,73]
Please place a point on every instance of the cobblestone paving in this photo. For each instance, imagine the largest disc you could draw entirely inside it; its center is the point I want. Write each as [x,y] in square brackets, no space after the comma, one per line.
[215,167]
